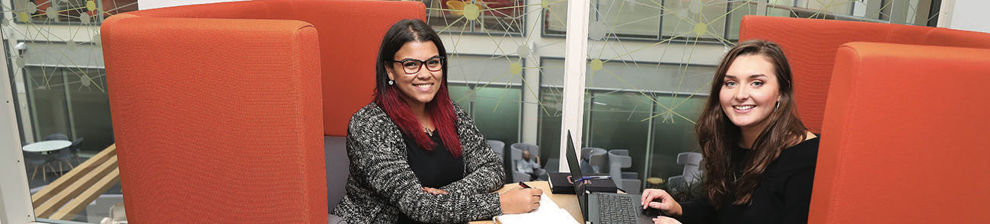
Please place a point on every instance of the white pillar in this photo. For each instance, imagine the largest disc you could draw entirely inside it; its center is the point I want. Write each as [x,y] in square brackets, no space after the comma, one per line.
[575,60]
[531,74]
[965,15]
[15,198]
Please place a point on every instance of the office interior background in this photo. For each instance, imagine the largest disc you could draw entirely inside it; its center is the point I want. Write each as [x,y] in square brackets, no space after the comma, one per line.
[648,71]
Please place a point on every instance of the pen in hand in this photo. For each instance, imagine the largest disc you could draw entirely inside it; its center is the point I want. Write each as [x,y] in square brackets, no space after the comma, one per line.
[524,186]
[522,199]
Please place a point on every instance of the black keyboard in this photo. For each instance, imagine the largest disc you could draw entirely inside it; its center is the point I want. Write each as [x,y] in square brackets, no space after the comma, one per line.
[616,209]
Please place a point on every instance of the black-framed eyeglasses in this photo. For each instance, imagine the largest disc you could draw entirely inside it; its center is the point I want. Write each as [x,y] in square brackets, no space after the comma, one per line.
[412,66]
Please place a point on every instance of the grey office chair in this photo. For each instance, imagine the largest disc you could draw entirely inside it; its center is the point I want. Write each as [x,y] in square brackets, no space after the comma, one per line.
[691,174]
[56,136]
[34,160]
[62,157]
[585,152]
[628,181]
[516,154]
[497,146]
[75,148]
[67,155]
[593,160]
[599,161]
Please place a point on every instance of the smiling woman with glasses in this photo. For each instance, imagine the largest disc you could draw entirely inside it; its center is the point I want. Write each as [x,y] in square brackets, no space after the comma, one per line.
[415,156]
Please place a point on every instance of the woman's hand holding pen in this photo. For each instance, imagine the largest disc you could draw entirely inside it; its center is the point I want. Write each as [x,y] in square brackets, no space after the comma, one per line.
[520,200]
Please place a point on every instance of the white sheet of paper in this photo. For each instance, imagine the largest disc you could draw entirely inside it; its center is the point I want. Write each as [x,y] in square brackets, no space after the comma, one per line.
[547,213]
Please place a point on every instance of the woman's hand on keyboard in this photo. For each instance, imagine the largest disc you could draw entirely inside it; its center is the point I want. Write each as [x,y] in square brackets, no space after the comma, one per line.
[665,220]
[660,199]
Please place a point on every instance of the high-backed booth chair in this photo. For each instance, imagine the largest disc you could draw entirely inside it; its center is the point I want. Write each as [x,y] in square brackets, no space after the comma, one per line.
[902,114]
[219,109]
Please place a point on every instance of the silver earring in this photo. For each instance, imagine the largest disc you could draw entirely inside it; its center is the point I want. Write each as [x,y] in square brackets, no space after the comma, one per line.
[778,105]
[391,83]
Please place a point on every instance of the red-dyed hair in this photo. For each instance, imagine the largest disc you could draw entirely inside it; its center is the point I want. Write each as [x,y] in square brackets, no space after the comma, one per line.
[388,96]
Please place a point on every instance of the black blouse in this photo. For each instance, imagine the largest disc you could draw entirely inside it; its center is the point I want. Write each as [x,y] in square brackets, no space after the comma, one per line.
[782,196]
[434,168]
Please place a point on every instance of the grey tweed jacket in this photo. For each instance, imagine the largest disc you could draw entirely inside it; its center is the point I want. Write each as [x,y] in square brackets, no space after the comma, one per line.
[381,185]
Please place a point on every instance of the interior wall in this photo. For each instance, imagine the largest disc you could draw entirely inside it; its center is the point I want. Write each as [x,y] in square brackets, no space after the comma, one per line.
[965,15]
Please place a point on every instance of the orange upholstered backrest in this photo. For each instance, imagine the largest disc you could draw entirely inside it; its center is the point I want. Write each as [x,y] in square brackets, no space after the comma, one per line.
[905,136]
[350,34]
[216,131]
[811,45]
[219,109]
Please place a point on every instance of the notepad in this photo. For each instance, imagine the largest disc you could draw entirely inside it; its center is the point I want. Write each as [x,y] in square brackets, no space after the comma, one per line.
[547,213]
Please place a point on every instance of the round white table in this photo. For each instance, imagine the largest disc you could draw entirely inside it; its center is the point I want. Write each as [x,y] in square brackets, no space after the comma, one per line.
[47,146]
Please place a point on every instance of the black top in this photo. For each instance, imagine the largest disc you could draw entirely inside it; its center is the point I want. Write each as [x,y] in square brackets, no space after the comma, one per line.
[434,168]
[782,196]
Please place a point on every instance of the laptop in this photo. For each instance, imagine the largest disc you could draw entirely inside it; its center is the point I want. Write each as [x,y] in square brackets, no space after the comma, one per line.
[606,208]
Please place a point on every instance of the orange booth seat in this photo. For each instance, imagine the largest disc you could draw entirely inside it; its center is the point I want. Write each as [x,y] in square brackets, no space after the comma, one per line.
[219,109]
[902,111]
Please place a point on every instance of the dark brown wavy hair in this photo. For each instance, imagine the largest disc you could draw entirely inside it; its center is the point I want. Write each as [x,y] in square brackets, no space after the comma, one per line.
[718,136]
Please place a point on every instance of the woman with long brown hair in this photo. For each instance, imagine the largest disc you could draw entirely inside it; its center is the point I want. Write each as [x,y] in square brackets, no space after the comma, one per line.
[759,158]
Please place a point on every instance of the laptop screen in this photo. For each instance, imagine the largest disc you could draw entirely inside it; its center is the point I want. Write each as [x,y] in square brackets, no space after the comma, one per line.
[572,160]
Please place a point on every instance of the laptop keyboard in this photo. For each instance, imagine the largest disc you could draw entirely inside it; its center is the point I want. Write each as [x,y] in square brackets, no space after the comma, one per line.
[616,209]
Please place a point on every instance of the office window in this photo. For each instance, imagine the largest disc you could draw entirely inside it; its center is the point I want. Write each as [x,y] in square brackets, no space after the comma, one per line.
[714,21]
[694,19]
[485,17]
[620,120]
[646,20]
[60,93]
[610,19]
[68,11]
[72,102]
[672,133]
[550,112]
[736,11]
[69,103]
[647,108]
[489,88]
[48,100]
